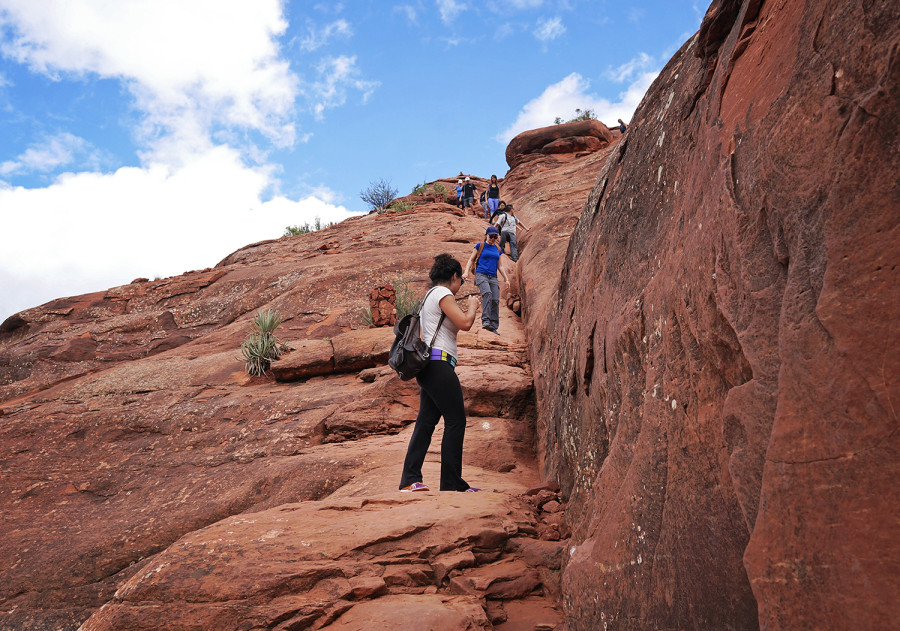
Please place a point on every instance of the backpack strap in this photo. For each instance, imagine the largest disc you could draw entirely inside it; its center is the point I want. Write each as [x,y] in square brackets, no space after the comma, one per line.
[478,248]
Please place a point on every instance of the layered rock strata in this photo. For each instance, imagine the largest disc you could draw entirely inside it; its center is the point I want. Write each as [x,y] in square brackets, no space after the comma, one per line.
[133,441]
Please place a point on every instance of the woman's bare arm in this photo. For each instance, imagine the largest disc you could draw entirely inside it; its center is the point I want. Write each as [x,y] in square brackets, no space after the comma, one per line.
[462,319]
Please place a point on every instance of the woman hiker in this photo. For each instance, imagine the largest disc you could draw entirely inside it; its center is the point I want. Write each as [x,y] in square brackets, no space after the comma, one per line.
[441,394]
[493,195]
[485,262]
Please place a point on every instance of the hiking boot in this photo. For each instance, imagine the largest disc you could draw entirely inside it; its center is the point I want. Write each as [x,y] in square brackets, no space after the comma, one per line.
[415,486]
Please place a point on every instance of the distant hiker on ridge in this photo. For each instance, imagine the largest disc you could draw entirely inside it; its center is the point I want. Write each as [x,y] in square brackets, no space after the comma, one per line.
[493,194]
[469,195]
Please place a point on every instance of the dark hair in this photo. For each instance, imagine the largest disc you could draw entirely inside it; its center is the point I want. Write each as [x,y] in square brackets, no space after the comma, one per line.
[444,268]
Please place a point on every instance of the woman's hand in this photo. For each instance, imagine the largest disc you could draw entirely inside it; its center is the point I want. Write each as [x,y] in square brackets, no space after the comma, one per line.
[474,303]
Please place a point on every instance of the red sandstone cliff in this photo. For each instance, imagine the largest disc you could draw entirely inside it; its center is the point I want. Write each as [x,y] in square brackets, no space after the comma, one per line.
[708,314]
[717,367]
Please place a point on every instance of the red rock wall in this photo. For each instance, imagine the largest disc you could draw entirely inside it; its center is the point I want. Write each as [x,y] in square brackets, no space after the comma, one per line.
[718,374]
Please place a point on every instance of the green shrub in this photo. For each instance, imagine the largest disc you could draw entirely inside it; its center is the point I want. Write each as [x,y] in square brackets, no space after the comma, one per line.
[580,115]
[419,189]
[261,346]
[400,206]
[405,299]
[293,231]
[439,188]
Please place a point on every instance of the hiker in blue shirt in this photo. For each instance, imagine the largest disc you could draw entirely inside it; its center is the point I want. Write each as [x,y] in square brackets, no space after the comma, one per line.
[459,194]
[485,261]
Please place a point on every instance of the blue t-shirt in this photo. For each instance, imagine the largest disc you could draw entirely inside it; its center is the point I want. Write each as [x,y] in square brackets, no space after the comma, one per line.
[489,259]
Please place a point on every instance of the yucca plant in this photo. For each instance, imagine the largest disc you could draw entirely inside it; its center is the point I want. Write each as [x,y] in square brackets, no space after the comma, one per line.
[404,299]
[261,346]
[266,322]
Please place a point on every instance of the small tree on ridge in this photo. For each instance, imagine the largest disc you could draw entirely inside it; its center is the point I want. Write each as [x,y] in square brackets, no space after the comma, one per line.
[378,195]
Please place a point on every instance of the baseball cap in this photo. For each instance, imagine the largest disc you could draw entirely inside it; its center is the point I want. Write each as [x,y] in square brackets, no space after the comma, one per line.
[492,230]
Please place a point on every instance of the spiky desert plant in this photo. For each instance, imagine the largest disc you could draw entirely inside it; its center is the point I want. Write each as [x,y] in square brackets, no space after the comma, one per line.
[261,346]
[404,298]
[368,318]
[266,322]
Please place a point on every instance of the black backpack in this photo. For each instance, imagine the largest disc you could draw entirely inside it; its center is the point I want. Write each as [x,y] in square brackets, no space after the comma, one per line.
[409,353]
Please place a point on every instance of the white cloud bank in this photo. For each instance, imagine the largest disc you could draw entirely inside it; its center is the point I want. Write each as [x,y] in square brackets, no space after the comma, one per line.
[90,231]
[563,98]
[197,70]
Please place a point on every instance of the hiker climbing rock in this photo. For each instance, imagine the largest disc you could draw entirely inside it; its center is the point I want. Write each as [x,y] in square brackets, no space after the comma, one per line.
[441,394]
[485,260]
[506,223]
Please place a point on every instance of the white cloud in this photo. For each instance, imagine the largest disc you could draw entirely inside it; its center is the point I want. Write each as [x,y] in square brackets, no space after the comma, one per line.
[318,37]
[335,76]
[329,7]
[218,57]
[548,29]
[631,68]
[53,152]
[150,221]
[504,31]
[409,11]
[503,7]
[202,73]
[450,9]
[561,99]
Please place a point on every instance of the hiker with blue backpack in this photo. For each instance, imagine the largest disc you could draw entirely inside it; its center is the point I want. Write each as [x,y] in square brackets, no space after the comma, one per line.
[441,395]
[485,262]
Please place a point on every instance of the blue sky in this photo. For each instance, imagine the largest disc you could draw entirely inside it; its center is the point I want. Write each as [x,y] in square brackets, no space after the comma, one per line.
[146,138]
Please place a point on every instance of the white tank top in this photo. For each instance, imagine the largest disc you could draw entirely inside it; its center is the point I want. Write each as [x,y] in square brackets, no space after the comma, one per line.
[431,315]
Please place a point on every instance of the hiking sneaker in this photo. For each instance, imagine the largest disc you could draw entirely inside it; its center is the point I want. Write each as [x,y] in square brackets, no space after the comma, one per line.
[415,486]
[471,489]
